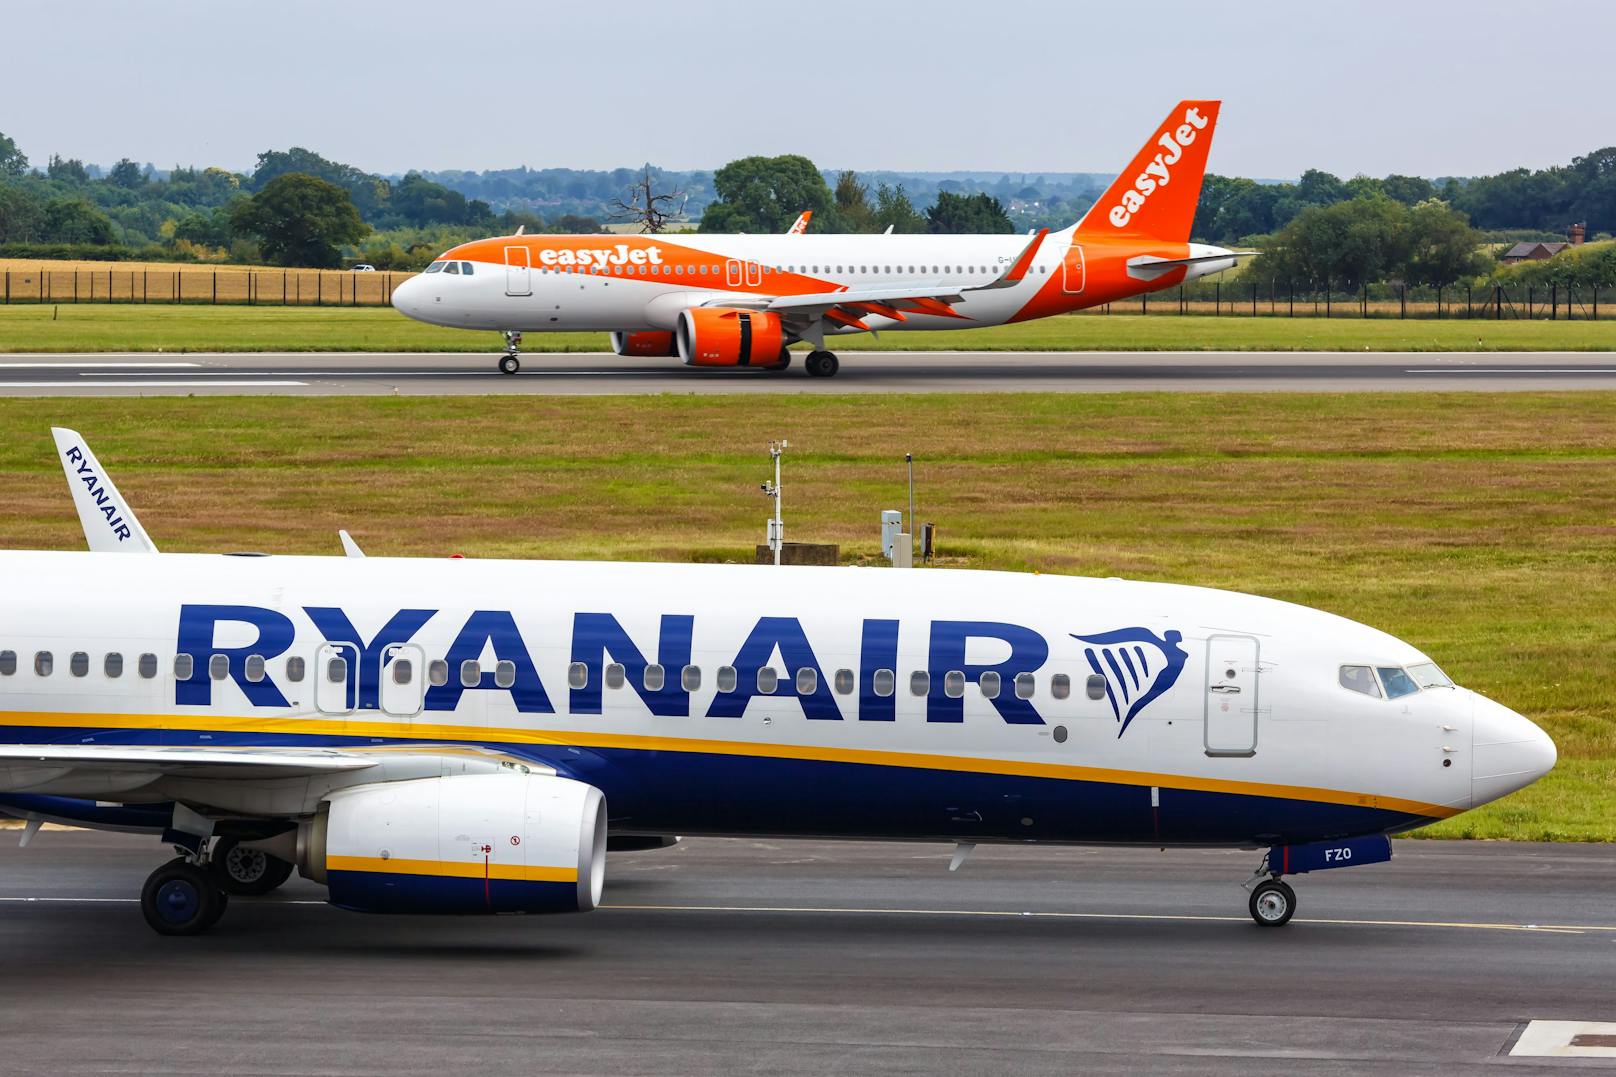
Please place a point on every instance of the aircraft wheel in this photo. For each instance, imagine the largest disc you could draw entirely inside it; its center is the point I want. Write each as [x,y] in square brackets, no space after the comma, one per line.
[248,872]
[823,365]
[180,898]
[509,364]
[1272,903]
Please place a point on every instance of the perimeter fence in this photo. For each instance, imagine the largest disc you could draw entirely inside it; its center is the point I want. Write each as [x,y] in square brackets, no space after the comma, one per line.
[241,287]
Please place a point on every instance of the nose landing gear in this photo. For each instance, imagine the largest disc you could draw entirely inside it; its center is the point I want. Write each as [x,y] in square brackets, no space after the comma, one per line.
[1273,903]
[511,362]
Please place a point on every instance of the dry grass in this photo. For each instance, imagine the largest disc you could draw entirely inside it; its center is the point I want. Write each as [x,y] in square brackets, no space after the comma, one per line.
[32,281]
[1480,527]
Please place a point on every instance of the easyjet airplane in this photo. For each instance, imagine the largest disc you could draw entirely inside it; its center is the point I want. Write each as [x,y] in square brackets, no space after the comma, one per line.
[458,736]
[743,300]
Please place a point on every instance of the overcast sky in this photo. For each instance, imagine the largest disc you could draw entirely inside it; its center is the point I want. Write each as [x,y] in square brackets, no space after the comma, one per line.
[1416,86]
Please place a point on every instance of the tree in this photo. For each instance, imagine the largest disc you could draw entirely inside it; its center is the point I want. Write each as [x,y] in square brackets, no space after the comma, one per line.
[1442,247]
[369,193]
[894,211]
[300,220]
[418,201]
[573,224]
[853,211]
[70,170]
[22,214]
[764,194]
[645,204]
[73,220]
[126,174]
[12,160]
[210,229]
[967,214]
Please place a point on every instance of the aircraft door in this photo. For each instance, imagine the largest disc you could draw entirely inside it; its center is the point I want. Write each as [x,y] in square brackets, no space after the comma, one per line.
[403,679]
[754,275]
[336,678]
[1073,271]
[1232,664]
[518,271]
[732,273]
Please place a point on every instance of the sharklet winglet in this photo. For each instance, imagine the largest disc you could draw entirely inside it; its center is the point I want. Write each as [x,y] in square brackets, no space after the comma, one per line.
[109,523]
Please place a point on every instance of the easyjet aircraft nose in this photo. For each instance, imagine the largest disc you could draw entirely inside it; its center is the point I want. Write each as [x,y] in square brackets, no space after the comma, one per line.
[407,298]
[1508,752]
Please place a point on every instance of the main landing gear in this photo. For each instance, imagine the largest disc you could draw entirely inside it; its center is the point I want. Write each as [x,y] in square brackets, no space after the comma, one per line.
[188,895]
[511,361]
[822,364]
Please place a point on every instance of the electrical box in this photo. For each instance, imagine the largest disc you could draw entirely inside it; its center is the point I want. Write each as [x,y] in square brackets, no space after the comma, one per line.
[891,528]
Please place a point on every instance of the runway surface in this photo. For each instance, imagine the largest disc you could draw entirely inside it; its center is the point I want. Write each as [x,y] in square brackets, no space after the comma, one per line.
[812,957]
[604,374]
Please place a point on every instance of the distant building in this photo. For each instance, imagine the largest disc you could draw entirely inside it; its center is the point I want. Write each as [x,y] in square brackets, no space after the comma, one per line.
[1537,252]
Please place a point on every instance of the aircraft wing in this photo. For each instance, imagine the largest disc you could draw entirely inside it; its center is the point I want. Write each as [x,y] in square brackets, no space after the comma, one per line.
[107,769]
[848,306]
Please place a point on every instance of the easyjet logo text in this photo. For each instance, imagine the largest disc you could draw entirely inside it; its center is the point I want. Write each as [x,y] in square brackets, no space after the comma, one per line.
[610,256]
[1159,172]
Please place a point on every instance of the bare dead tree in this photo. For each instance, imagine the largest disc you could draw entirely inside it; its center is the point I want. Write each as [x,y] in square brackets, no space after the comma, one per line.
[646,205]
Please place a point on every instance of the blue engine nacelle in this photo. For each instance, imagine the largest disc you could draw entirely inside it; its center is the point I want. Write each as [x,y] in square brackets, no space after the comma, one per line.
[466,844]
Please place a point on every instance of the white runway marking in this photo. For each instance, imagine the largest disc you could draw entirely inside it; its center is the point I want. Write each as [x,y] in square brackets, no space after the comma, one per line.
[1566,1039]
[75,364]
[1516,370]
[231,384]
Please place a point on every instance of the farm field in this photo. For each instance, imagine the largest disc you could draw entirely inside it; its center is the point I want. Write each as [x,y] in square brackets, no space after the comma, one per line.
[101,327]
[1480,527]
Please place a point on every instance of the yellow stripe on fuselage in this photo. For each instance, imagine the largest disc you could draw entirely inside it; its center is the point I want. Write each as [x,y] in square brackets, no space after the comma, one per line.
[453,869]
[496,737]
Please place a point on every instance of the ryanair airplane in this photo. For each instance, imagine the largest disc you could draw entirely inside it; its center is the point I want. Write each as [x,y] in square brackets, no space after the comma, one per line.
[744,300]
[461,736]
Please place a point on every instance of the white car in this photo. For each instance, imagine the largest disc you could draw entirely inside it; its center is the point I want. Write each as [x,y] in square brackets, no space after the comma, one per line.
[364,267]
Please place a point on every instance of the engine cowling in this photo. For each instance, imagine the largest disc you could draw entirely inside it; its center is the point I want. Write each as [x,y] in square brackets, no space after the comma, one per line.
[721,336]
[464,844]
[645,345]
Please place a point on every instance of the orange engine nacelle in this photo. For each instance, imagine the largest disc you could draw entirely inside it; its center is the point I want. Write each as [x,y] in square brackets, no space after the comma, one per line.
[646,345]
[718,336]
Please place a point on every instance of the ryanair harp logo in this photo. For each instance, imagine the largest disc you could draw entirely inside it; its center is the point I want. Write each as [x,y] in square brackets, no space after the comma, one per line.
[1138,666]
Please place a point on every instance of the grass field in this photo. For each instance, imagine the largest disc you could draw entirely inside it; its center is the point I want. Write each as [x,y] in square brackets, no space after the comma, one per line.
[168,328]
[1480,527]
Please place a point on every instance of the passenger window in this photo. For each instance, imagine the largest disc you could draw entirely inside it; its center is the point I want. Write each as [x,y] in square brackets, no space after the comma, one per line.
[844,682]
[465,267]
[294,669]
[655,678]
[336,670]
[1359,679]
[1060,686]
[437,672]
[807,681]
[1397,681]
[148,666]
[989,683]
[690,678]
[614,675]
[471,673]
[919,682]
[184,666]
[954,684]
[403,670]
[219,667]
[255,668]
[1096,686]
[578,675]
[112,665]
[8,663]
[504,673]
[1025,683]
[452,267]
[726,678]
[44,662]
[884,683]
[78,664]
[768,679]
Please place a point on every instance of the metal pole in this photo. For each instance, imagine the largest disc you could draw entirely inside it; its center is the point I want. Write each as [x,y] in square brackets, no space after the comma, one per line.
[909,461]
[779,521]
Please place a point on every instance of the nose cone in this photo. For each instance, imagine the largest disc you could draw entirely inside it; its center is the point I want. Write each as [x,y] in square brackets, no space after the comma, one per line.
[1508,751]
[406,298]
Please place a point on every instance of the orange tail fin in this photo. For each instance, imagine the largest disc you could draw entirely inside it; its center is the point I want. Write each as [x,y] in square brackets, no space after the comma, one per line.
[1157,193]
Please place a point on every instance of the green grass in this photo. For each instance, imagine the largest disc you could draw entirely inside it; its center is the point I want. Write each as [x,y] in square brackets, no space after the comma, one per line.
[117,327]
[1480,527]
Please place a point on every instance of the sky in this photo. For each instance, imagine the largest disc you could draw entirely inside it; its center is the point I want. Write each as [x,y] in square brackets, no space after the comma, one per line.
[1420,87]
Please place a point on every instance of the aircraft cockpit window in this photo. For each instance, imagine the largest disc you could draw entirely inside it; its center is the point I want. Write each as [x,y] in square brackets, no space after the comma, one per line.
[78,664]
[504,673]
[989,683]
[44,662]
[1360,679]
[148,666]
[452,267]
[1397,681]
[1427,675]
[436,267]
[465,268]
[8,663]
[112,665]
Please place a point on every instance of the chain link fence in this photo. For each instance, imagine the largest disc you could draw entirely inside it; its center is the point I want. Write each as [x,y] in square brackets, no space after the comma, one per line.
[1275,300]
